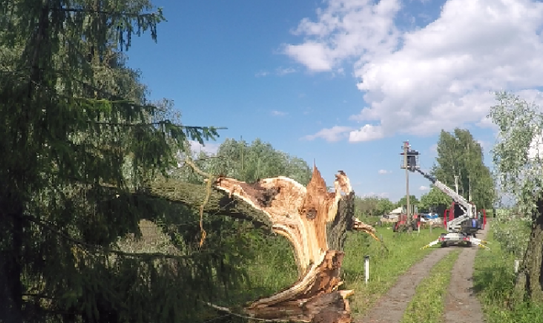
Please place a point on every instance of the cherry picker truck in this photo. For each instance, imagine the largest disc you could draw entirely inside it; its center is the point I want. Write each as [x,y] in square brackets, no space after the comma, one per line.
[464,221]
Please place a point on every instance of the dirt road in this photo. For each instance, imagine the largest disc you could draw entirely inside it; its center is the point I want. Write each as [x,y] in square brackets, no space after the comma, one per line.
[392,305]
[460,305]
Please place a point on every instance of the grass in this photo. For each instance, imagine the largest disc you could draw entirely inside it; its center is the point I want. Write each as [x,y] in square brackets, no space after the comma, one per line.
[385,266]
[494,281]
[273,268]
[429,301]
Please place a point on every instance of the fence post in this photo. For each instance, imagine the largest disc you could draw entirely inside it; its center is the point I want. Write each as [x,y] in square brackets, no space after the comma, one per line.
[367,267]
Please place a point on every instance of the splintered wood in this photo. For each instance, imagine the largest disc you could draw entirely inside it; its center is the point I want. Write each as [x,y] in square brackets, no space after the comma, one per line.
[314,221]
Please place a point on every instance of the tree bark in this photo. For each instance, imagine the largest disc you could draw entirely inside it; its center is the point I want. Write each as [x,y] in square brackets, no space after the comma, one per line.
[315,222]
[530,278]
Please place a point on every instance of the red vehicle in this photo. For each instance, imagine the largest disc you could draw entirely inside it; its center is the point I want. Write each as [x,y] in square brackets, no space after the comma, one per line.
[402,219]
[478,222]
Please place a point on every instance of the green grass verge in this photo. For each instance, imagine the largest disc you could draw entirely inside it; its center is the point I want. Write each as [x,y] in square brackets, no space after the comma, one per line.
[385,266]
[494,281]
[429,301]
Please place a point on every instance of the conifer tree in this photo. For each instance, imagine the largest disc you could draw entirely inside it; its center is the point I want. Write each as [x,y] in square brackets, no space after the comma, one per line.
[79,139]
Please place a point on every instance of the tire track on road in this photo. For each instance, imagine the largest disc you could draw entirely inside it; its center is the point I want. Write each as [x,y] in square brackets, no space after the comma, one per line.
[391,306]
[461,303]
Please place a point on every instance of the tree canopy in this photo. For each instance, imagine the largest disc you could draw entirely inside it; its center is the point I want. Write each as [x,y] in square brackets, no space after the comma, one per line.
[434,201]
[459,154]
[413,200]
[519,170]
[250,162]
[80,145]
[373,205]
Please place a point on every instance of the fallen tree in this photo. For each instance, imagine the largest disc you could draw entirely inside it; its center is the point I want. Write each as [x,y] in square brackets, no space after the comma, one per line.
[315,222]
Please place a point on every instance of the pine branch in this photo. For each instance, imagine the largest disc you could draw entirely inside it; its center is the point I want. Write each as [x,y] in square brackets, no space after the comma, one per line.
[91,247]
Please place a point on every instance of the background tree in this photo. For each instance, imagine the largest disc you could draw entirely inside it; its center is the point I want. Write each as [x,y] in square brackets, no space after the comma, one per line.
[459,154]
[384,206]
[413,200]
[250,162]
[519,167]
[434,201]
[366,205]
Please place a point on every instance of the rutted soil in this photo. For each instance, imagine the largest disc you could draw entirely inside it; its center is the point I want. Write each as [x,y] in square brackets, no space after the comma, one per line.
[461,304]
[391,306]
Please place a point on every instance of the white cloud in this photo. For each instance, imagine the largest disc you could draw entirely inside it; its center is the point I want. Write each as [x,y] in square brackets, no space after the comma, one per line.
[346,28]
[366,133]
[384,171]
[209,148]
[277,113]
[373,194]
[485,145]
[312,55]
[423,188]
[335,133]
[285,70]
[280,71]
[437,76]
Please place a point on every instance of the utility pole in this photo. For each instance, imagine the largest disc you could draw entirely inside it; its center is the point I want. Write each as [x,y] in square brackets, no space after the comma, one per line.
[410,163]
[405,166]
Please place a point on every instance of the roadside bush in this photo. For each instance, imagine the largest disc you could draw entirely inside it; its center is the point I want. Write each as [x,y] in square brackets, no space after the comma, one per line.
[511,230]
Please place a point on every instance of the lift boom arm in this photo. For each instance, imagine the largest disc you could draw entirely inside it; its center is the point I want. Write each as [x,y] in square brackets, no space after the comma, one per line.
[468,208]
[457,227]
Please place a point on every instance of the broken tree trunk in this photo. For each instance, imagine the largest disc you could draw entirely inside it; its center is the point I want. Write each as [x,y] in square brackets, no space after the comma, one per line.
[315,222]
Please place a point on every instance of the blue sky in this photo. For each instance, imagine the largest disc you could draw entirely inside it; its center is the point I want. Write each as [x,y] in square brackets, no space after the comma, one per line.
[344,82]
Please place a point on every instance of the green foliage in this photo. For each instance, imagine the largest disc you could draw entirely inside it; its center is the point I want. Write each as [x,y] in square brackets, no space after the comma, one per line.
[435,201]
[519,166]
[366,206]
[384,206]
[268,260]
[519,170]
[459,154]
[494,282]
[413,200]
[251,162]
[369,206]
[428,303]
[79,139]
[512,231]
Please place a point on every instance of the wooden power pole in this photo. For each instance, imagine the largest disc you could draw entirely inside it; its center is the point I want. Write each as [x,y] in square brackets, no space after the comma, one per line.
[405,166]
